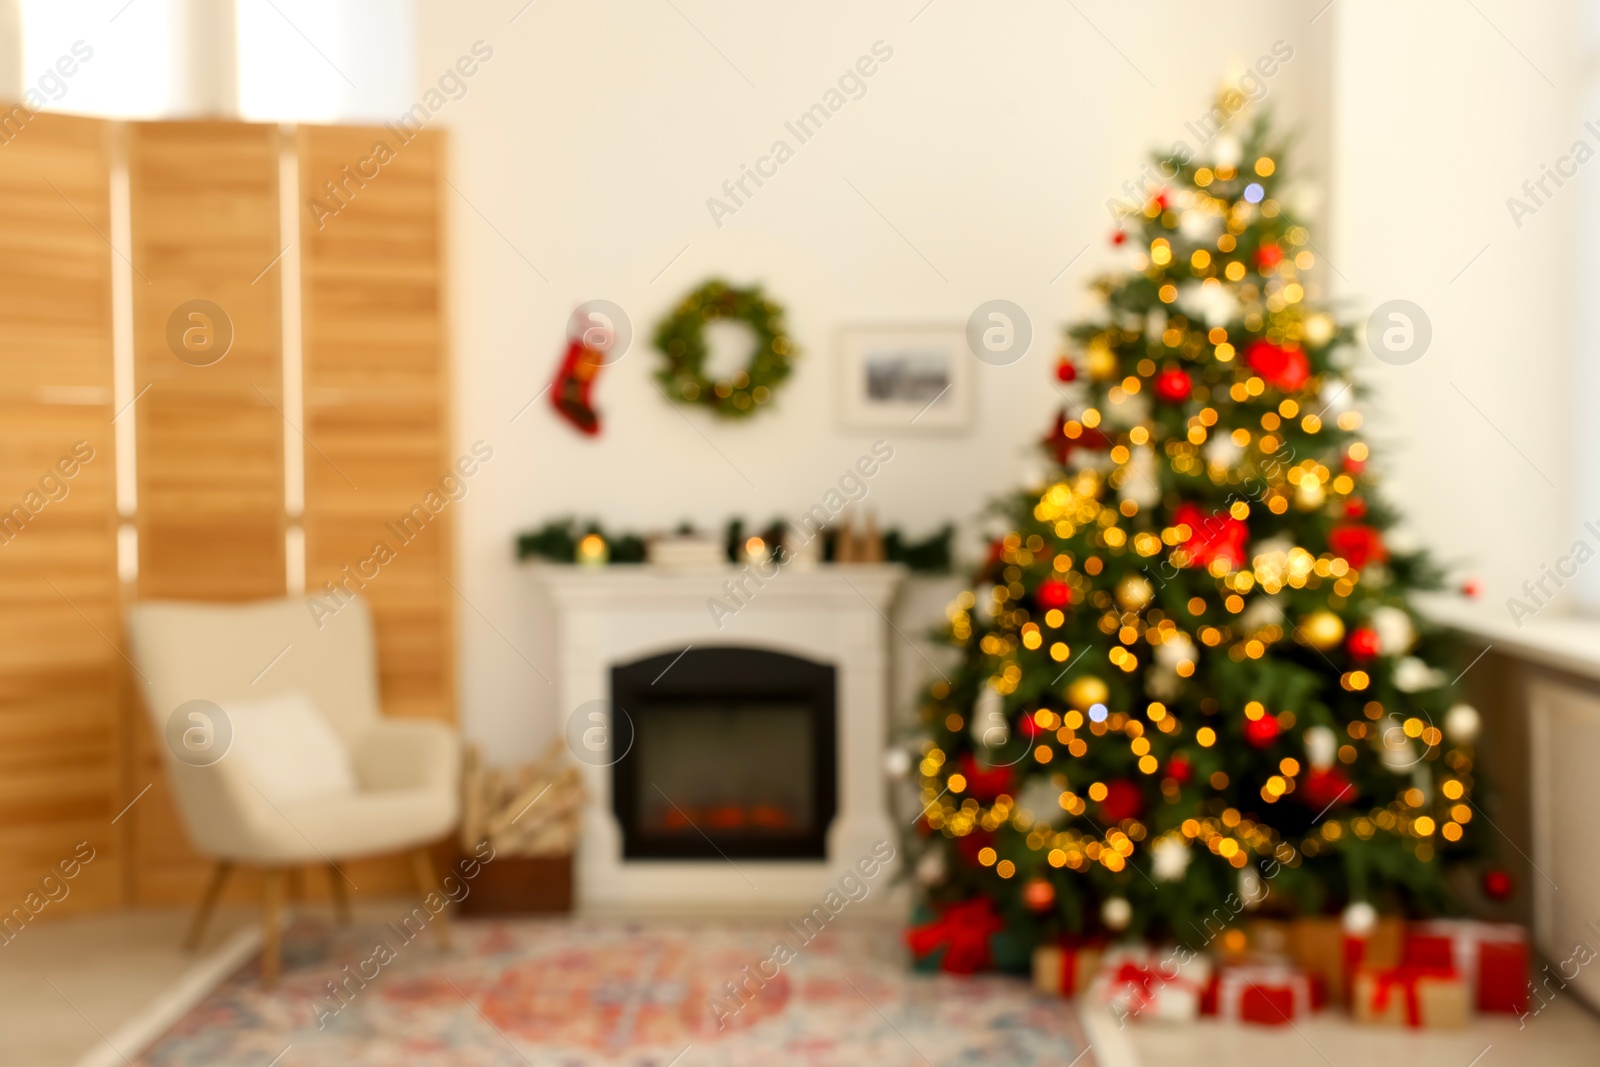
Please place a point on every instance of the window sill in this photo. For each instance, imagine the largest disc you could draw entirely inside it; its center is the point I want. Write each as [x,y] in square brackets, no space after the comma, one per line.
[1566,642]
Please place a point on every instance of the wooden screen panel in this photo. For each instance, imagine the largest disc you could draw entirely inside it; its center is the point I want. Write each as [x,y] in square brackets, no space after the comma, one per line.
[61,674]
[204,206]
[377,396]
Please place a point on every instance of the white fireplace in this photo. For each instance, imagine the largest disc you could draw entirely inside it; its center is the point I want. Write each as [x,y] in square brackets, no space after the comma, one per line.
[833,616]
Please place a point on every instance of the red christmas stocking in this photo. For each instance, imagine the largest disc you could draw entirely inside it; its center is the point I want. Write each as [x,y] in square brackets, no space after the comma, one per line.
[570,391]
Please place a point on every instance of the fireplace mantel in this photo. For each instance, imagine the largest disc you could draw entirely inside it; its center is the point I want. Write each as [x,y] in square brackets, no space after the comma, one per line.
[838,614]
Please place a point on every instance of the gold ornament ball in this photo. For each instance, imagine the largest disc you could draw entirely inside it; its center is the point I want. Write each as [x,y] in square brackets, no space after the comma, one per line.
[1100,361]
[1134,592]
[1086,691]
[1323,630]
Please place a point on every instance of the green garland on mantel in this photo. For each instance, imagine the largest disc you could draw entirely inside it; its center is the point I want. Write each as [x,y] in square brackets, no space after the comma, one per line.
[681,337]
[558,539]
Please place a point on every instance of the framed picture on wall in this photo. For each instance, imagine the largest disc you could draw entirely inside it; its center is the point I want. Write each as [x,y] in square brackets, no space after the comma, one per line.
[905,378]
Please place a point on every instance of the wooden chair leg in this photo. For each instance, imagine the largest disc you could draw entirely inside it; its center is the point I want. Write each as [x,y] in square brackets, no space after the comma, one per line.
[272,887]
[341,897]
[422,867]
[208,904]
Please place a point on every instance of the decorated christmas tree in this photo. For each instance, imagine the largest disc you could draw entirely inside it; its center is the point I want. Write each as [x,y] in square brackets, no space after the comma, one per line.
[1190,678]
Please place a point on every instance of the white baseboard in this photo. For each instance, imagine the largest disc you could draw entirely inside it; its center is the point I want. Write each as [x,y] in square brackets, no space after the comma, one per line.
[1106,1036]
[208,972]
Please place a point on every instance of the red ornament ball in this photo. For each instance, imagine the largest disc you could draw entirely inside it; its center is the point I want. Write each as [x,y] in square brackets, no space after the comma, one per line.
[1174,385]
[1286,369]
[1497,884]
[1053,593]
[1355,508]
[1179,769]
[1359,545]
[1268,256]
[1321,788]
[1118,237]
[1261,732]
[1123,801]
[1471,589]
[1362,642]
[1038,894]
[984,783]
[1066,371]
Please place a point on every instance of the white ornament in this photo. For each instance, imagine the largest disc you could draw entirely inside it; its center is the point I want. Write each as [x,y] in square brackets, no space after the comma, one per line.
[1359,919]
[1395,751]
[1140,482]
[989,725]
[1221,451]
[1209,300]
[1129,411]
[1041,798]
[897,763]
[1262,612]
[1251,891]
[1461,723]
[1396,635]
[1321,747]
[1319,331]
[1402,541]
[1227,151]
[1411,675]
[1199,226]
[1169,859]
[931,869]
[1336,397]
[1116,913]
[1177,649]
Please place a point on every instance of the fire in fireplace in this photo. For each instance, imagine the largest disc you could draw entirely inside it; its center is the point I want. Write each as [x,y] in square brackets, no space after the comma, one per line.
[732,756]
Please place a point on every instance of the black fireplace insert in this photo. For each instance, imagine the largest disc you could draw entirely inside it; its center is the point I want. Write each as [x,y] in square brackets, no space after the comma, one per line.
[733,755]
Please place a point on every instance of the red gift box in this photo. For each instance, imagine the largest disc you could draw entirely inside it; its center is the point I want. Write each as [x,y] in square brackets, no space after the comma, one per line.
[1142,982]
[1272,994]
[1492,959]
[1411,996]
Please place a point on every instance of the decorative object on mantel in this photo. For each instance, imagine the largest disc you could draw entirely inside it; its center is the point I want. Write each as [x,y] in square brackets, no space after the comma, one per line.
[851,547]
[530,818]
[682,341]
[559,540]
[910,378]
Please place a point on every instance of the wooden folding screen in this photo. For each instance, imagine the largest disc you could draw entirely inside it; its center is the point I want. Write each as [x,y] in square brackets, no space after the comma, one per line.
[378,398]
[61,767]
[203,199]
[208,257]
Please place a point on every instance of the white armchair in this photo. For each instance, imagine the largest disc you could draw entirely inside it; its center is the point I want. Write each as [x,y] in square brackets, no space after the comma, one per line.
[402,792]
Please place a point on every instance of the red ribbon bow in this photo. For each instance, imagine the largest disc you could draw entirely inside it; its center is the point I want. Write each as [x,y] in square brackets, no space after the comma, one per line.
[963,930]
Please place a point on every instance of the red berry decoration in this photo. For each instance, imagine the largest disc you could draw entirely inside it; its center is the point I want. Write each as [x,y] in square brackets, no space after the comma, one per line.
[1261,732]
[1497,884]
[1362,642]
[1471,588]
[1123,801]
[1066,371]
[1118,237]
[1174,385]
[1053,593]
[1038,894]
[1268,256]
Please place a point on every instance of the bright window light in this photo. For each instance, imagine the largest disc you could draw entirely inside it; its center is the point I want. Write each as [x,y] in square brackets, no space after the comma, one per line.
[99,57]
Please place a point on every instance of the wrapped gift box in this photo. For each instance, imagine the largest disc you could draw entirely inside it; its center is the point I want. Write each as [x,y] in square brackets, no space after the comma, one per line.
[1492,959]
[1141,982]
[964,938]
[1411,996]
[1321,947]
[1272,994]
[1065,970]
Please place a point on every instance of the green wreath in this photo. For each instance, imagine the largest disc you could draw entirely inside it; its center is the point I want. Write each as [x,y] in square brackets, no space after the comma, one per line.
[681,339]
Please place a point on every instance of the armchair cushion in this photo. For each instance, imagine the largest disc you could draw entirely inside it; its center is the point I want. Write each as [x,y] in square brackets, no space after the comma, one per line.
[408,754]
[287,748]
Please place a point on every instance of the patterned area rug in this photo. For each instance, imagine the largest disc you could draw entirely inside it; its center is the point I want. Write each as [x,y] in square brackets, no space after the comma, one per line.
[575,993]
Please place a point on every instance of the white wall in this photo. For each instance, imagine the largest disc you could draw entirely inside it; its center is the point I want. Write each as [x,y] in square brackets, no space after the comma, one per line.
[589,145]
[1438,120]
